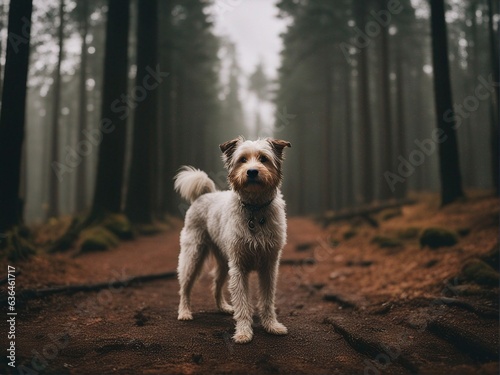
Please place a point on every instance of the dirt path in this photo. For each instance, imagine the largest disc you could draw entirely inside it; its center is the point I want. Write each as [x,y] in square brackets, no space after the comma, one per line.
[350,307]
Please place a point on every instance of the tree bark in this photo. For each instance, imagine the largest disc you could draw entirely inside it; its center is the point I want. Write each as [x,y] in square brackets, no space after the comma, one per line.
[81,183]
[366,167]
[349,172]
[110,167]
[401,188]
[385,150]
[166,126]
[494,111]
[12,115]
[2,12]
[327,191]
[56,104]
[140,195]
[449,166]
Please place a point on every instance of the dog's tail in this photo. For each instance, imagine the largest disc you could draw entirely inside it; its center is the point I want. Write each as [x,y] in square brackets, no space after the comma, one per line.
[191,183]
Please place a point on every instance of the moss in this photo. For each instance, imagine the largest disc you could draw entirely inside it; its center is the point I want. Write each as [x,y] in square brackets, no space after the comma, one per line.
[492,257]
[409,233]
[17,245]
[384,241]
[479,272]
[438,237]
[97,239]
[119,225]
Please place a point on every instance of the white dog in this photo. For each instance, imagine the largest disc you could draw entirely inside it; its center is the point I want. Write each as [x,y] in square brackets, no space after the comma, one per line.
[244,228]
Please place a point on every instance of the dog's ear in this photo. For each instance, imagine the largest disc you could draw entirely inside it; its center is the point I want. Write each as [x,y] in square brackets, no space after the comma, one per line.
[278,145]
[228,149]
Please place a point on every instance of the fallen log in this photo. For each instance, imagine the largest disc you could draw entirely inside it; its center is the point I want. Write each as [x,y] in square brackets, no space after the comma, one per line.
[28,294]
[364,212]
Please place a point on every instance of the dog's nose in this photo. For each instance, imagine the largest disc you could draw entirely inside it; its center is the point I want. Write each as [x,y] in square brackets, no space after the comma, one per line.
[252,173]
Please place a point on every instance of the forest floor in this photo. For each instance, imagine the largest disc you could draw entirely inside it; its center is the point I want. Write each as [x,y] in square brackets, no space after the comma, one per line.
[352,305]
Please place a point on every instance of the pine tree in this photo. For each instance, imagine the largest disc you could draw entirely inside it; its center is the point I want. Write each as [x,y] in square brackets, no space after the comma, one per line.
[12,115]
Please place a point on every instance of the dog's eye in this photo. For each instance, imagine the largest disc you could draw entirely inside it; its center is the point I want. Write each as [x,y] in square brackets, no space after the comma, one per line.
[243,160]
[263,159]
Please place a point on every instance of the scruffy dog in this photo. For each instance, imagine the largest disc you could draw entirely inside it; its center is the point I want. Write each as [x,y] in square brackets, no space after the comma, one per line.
[244,228]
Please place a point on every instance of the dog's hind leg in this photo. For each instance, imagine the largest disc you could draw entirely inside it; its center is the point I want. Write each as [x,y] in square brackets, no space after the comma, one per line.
[191,260]
[220,276]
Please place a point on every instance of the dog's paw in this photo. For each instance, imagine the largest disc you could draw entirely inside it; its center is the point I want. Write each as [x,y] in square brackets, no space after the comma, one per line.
[276,328]
[243,337]
[185,315]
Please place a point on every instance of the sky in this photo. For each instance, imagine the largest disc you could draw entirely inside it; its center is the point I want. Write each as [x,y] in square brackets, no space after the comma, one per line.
[255,29]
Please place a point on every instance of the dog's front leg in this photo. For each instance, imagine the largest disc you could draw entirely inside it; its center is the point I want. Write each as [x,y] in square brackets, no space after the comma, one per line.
[238,287]
[267,285]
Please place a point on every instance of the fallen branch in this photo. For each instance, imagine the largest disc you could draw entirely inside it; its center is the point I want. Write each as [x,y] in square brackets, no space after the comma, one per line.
[364,212]
[29,294]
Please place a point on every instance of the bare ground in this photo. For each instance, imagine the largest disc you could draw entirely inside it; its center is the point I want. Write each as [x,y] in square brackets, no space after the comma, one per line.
[351,306]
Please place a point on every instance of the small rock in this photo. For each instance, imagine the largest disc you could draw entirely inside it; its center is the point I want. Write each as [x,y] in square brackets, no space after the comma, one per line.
[492,257]
[480,272]
[197,358]
[438,237]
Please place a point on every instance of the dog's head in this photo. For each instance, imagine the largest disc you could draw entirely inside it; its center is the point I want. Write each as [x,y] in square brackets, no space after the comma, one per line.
[254,166]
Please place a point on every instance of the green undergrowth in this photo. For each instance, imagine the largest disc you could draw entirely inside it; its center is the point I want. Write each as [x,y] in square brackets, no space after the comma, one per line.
[17,244]
[119,225]
[409,233]
[480,272]
[97,238]
[435,237]
[386,241]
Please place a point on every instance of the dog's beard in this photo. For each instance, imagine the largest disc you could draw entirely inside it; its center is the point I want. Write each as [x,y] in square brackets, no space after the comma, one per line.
[256,188]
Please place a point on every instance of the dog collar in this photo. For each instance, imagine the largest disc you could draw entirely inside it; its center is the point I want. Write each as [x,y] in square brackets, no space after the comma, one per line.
[254,208]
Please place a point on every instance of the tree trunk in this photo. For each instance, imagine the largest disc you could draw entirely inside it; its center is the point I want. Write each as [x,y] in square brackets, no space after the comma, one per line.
[110,167]
[327,191]
[494,111]
[54,181]
[2,12]
[140,204]
[385,113]
[449,166]
[365,147]
[349,172]
[401,188]
[12,115]
[81,191]
[168,141]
